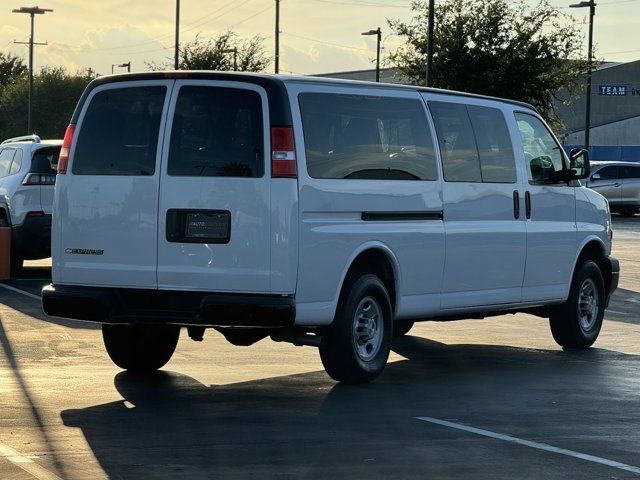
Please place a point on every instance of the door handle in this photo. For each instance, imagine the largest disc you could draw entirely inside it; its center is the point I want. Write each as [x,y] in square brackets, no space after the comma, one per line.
[617,184]
[527,204]
[516,204]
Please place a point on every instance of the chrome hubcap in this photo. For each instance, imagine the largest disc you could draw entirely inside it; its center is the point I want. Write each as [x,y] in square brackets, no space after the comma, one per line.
[588,304]
[367,328]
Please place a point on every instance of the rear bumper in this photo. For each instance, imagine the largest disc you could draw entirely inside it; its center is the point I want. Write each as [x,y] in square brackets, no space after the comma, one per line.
[129,306]
[32,239]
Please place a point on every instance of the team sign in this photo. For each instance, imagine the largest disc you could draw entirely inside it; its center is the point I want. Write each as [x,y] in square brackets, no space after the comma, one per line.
[613,90]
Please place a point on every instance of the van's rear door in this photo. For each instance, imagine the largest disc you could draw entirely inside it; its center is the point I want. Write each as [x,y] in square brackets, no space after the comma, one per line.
[214,217]
[106,220]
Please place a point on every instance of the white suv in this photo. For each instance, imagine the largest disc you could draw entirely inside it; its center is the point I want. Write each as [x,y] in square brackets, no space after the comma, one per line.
[319,212]
[27,179]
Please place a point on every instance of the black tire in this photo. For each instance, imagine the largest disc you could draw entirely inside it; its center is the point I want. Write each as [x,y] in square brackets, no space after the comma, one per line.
[338,350]
[401,328]
[565,320]
[141,348]
[16,264]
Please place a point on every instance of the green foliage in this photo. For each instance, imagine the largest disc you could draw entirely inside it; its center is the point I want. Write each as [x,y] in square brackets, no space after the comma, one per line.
[11,69]
[494,47]
[55,94]
[216,54]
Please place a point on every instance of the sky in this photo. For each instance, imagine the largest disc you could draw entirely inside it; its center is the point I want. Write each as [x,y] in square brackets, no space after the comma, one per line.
[318,36]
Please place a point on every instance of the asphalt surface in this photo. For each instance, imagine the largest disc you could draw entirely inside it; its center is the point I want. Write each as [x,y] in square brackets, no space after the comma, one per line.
[498,399]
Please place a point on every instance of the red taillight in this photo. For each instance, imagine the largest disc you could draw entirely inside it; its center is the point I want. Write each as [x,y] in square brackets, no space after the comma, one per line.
[63,159]
[283,153]
[35,214]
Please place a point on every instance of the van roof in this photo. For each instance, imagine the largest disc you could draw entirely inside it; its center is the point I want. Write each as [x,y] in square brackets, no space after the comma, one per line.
[274,85]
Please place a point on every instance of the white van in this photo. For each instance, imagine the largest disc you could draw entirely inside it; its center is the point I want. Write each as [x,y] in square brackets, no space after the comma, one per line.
[317,211]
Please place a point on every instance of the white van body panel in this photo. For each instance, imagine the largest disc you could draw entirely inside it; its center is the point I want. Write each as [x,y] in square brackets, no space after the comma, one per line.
[115,214]
[284,235]
[332,230]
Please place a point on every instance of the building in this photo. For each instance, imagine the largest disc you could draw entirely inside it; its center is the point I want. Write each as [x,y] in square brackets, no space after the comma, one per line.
[615,109]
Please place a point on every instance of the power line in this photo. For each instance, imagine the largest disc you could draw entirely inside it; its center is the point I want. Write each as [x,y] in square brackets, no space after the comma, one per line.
[366,3]
[326,43]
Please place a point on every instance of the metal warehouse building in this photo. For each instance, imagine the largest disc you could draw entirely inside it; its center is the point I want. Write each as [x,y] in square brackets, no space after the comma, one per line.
[615,109]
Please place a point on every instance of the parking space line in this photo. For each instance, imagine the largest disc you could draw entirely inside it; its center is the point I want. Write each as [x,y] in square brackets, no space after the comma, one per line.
[26,464]
[17,290]
[528,443]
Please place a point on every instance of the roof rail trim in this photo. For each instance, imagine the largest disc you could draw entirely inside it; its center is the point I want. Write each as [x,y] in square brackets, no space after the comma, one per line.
[25,138]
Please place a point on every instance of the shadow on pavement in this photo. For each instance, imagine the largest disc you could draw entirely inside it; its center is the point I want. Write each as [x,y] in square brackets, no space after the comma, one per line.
[170,425]
[624,306]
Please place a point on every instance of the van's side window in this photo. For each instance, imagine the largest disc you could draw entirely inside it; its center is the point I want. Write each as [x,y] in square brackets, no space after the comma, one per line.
[497,161]
[460,160]
[366,137]
[119,132]
[474,143]
[542,154]
[217,132]
[6,156]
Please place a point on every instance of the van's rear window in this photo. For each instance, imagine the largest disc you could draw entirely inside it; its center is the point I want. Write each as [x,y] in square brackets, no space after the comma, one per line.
[366,137]
[119,132]
[217,132]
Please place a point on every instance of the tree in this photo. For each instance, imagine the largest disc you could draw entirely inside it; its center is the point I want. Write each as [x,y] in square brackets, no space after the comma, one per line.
[55,94]
[12,68]
[495,47]
[217,54]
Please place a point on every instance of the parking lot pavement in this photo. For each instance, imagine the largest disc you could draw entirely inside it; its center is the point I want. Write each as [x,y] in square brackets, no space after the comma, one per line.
[493,392]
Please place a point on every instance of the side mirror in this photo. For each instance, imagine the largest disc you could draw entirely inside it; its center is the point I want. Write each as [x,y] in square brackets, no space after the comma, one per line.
[579,166]
[595,176]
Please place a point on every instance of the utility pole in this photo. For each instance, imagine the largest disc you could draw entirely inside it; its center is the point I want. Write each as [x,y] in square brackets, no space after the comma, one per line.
[378,33]
[430,35]
[233,50]
[277,56]
[32,11]
[176,61]
[587,117]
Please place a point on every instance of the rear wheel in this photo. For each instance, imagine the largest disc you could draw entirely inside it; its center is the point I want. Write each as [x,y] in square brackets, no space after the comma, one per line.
[356,346]
[577,322]
[16,263]
[141,348]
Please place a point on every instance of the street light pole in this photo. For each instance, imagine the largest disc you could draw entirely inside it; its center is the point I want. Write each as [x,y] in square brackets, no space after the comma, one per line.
[587,118]
[378,33]
[32,11]
[430,35]
[277,32]
[176,60]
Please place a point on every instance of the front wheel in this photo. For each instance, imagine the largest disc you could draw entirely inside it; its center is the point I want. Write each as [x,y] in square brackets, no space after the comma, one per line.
[577,322]
[356,346]
[142,348]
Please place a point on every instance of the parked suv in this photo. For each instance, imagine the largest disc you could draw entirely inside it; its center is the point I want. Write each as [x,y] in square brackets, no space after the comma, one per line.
[619,183]
[319,212]
[27,179]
